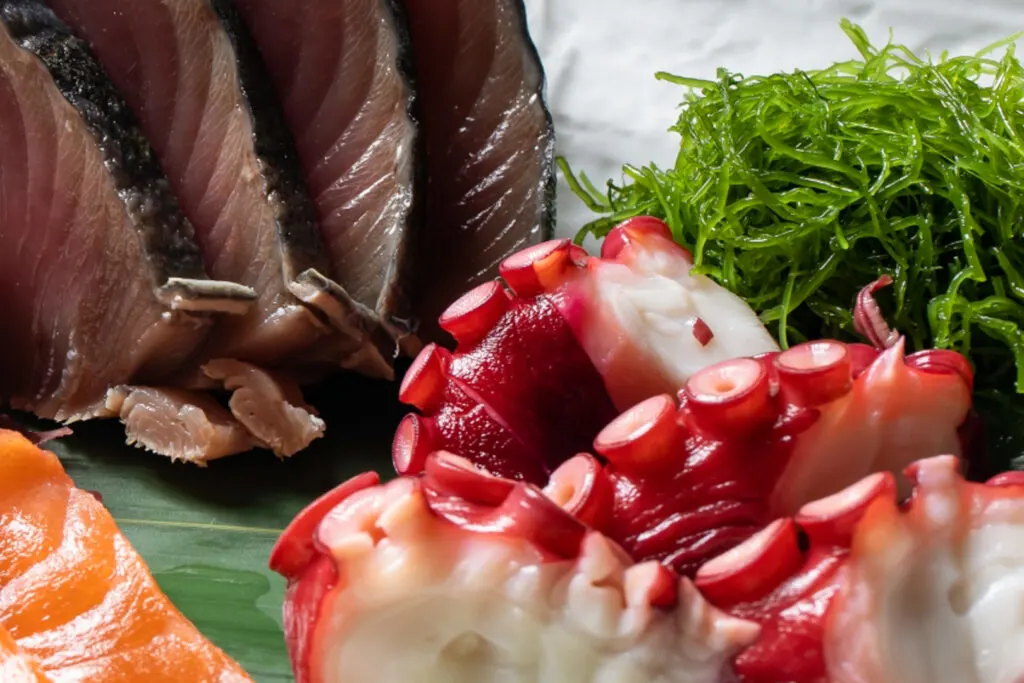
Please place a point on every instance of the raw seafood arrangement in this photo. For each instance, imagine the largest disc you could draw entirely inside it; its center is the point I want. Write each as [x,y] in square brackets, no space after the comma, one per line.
[611,472]
[574,520]
[246,216]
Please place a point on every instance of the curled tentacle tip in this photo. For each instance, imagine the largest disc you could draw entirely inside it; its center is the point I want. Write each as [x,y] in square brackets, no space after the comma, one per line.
[472,315]
[867,316]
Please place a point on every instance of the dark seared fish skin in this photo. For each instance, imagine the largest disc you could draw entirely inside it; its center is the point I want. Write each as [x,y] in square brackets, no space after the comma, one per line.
[198,89]
[101,281]
[490,145]
[343,72]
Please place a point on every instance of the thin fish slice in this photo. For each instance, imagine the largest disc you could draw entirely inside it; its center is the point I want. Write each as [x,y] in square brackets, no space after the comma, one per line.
[100,280]
[266,410]
[75,595]
[200,94]
[270,405]
[190,426]
[490,144]
[342,71]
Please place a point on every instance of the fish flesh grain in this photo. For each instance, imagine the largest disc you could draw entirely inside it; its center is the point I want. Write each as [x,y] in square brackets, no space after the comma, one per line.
[342,70]
[193,77]
[77,603]
[490,145]
[218,137]
[101,281]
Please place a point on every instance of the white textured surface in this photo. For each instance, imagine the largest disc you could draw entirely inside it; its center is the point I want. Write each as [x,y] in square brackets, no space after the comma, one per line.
[601,55]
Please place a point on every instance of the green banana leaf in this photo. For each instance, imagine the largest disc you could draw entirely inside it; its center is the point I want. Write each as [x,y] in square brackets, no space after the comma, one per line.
[206,533]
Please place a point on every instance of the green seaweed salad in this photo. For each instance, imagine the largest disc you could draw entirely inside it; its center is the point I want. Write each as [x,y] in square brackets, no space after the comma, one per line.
[795,190]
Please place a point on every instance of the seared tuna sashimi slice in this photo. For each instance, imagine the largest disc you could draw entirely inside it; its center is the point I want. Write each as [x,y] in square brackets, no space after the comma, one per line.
[489,141]
[100,280]
[191,75]
[341,71]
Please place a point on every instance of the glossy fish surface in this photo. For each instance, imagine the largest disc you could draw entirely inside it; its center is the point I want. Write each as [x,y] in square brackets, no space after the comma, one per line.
[490,144]
[200,96]
[342,72]
[101,281]
[77,601]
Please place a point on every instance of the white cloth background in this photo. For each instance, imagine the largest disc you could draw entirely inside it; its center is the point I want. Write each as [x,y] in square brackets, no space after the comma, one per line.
[600,57]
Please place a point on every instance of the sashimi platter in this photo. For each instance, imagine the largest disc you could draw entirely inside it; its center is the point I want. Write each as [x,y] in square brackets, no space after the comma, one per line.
[343,343]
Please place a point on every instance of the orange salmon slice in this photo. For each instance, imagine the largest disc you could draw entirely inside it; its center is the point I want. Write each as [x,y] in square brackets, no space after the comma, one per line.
[77,603]
[15,665]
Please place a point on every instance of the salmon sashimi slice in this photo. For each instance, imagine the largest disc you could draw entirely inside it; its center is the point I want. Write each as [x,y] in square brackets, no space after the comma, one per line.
[76,597]
[15,665]
[490,145]
[342,72]
[101,281]
[202,100]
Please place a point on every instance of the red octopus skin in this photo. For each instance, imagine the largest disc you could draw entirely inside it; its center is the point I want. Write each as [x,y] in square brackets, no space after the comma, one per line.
[771,580]
[860,588]
[456,552]
[540,369]
[753,439]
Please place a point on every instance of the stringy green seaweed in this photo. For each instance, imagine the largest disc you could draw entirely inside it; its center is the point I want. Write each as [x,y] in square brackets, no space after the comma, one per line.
[795,190]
